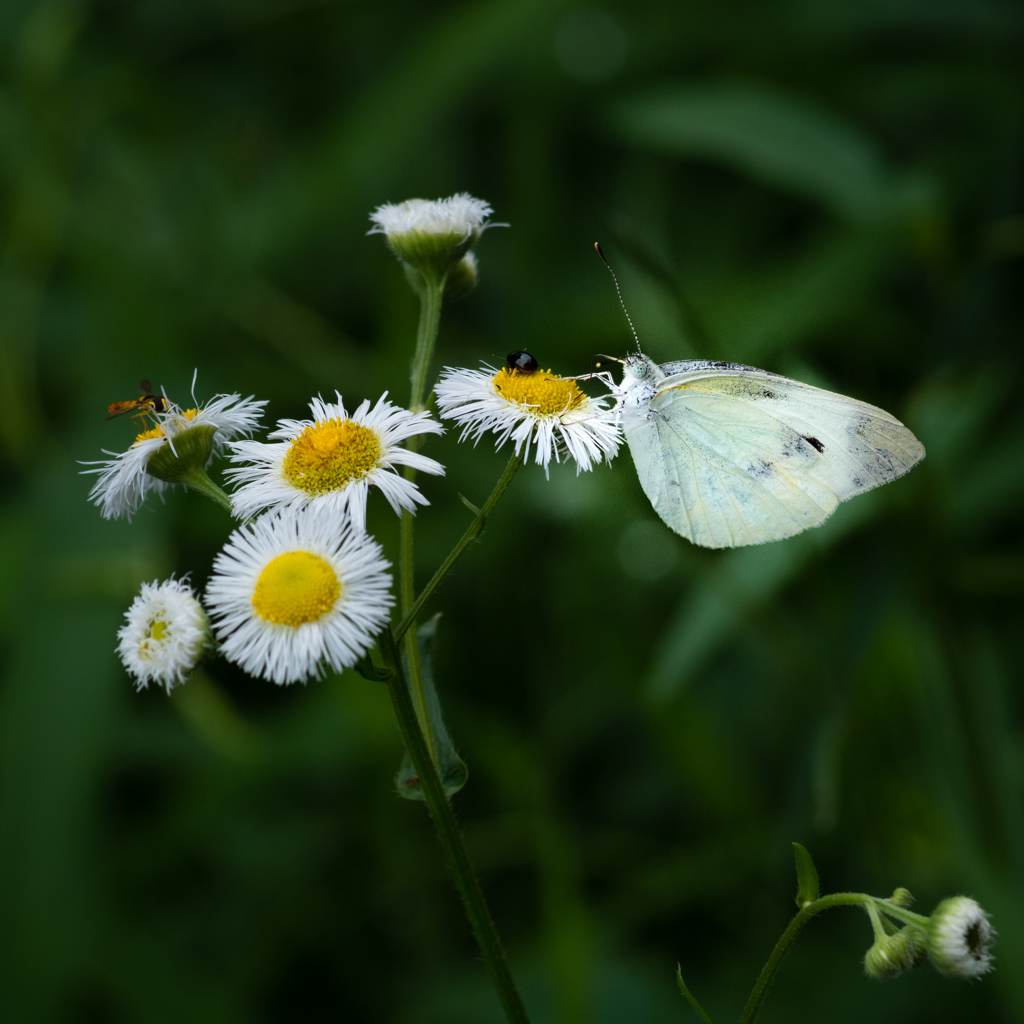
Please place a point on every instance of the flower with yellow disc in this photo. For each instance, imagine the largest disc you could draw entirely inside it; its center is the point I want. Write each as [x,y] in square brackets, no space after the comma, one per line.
[176,450]
[297,591]
[165,635]
[531,407]
[333,459]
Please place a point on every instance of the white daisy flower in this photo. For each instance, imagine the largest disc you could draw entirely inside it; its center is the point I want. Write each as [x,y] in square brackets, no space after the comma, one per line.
[960,938]
[182,439]
[459,215]
[333,459]
[432,235]
[297,590]
[166,634]
[531,407]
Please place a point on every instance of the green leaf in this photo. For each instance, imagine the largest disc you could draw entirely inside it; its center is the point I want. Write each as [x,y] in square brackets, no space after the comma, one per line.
[690,997]
[450,766]
[806,877]
[782,139]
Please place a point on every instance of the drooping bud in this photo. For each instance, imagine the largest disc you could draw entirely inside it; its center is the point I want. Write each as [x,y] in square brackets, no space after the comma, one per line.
[891,955]
[960,938]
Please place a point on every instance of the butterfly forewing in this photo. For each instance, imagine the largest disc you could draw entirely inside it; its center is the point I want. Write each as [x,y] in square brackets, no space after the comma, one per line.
[731,456]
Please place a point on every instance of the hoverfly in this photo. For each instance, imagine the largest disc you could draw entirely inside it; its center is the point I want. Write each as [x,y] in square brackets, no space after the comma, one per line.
[144,405]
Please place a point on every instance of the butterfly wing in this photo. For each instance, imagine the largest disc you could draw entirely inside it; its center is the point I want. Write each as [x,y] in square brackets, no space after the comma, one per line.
[730,455]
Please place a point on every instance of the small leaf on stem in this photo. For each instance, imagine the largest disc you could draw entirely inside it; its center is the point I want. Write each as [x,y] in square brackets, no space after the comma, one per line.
[806,877]
[689,996]
[450,767]
[472,508]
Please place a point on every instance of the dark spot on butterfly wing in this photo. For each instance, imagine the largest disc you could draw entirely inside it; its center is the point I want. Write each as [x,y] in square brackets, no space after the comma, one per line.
[761,469]
[813,441]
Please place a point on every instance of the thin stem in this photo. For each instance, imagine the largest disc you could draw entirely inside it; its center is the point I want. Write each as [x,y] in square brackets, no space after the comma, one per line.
[449,834]
[199,481]
[767,976]
[426,337]
[412,649]
[431,295]
[900,913]
[468,538]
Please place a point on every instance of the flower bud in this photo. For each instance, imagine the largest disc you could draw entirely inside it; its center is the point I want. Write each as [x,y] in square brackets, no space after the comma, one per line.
[960,938]
[901,897]
[891,955]
[432,236]
[461,278]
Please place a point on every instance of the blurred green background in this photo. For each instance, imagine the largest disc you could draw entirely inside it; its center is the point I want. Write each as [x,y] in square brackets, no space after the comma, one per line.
[829,189]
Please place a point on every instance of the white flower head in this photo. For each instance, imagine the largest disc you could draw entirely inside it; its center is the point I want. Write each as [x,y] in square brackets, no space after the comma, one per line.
[432,235]
[296,591]
[333,459]
[960,938]
[181,439]
[531,407]
[165,636]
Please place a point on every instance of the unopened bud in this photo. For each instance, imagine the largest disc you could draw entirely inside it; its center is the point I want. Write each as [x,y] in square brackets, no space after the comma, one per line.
[891,955]
[462,277]
[901,897]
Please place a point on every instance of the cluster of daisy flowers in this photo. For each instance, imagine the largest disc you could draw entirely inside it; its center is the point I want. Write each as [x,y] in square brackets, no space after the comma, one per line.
[304,587]
[300,586]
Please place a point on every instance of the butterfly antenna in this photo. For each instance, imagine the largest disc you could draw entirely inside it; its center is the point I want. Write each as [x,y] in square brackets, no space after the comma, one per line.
[622,303]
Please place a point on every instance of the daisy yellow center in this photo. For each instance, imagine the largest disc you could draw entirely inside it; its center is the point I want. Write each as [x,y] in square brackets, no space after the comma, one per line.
[330,454]
[545,393]
[294,588]
[158,630]
[148,435]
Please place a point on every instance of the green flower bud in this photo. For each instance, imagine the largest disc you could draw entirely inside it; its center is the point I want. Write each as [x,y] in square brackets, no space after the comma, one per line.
[901,897]
[461,278]
[432,237]
[891,955]
[960,938]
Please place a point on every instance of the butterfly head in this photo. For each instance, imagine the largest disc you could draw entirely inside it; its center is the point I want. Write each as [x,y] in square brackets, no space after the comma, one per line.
[638,369]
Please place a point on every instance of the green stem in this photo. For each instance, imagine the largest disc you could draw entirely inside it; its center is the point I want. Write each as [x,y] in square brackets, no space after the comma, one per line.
[473,531]
[426,338]
[199,481]
[412,650]
[900,913]
[450,836]
[431,295]
[767,976]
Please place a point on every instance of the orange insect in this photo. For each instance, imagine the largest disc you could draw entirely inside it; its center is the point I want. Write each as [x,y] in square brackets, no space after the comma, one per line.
[144,405]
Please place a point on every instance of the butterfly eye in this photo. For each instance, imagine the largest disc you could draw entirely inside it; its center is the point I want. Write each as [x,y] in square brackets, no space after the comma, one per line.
[639,370]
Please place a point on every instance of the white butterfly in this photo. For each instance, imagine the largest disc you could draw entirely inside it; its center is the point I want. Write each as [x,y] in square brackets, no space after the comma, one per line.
[730,455]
